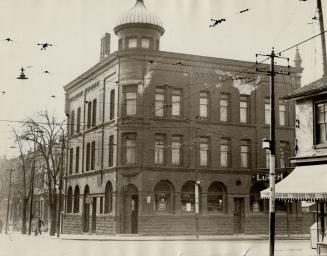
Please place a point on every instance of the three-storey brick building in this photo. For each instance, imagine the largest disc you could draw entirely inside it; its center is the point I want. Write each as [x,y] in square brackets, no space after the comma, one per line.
[149,128]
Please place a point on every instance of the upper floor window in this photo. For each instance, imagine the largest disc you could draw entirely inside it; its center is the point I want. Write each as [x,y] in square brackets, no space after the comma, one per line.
[112,104]
[282,113]
[284,153]
[72,122]
[88,154]
[204,151]
[159,102]
[224,107]
[159,149]
[132,43]
[77,160]
[245,153]
[267,111]
[176,150]
[93,155]
[111,150]
[244,109]
[89,114]
[94,112]
[129,148]
[71,157]
[78,123]
[225,152]
[130,103]
[145,43]
[176,102]
[204,102]
[321,122]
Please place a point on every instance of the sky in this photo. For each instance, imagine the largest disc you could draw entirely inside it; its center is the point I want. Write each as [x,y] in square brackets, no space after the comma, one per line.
[74,28]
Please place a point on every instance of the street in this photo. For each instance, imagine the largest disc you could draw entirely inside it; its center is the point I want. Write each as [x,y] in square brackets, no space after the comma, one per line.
[16,244]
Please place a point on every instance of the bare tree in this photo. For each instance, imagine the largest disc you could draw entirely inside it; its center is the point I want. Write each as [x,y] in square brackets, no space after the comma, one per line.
[23,176]
[47,134]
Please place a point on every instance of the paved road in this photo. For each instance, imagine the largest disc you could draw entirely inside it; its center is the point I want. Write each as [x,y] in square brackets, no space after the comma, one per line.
[16,244]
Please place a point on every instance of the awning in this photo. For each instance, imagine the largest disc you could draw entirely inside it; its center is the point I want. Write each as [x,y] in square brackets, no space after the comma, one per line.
[304,183]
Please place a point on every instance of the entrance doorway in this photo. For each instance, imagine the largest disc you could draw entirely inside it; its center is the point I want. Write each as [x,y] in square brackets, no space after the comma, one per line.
[86,209]
[130,214]
[239,215]
[94,213]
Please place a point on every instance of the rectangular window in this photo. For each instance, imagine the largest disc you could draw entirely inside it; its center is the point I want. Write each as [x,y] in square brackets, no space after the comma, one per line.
[72,124]
[132,43]
[224,107]
[176,150]
[159,149]
[129,147]
[94,112]
[77,160]
[321,122]
[71,158]
[204,103]
[130,103]
[88,151]
[89,114]
[267,154]
[176,102]
[145,43]
[267,111]
[101,204]
[282,113]
[111,150]
[78,127]
[204,151]
[93,155]
[284,153]
[159,106]
[244,109]
[224,152]
[112,104]
[245,154]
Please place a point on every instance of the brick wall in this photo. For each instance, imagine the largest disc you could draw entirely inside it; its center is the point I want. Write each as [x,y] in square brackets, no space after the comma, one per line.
[259,224]
[185,225]
[106,225]
[72,224]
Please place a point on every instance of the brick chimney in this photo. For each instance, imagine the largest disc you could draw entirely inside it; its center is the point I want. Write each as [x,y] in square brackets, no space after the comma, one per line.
[105,46]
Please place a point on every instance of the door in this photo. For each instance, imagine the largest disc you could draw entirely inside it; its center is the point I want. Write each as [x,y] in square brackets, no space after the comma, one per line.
[94,214]
[130,220]
[239,215]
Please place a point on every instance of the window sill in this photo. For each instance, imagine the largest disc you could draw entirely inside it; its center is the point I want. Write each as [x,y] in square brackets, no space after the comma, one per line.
[321,145]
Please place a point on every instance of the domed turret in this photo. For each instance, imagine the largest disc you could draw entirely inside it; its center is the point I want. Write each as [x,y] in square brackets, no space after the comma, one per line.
[139,28]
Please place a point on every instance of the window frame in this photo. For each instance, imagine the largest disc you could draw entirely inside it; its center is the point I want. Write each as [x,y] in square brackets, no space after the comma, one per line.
[177,139]
[130,104]
[228,152]
[246,143]
[77,154]
[267,110]
[160,151]
[204,95]
[204,147]
[282,114]
[316,123]
[224,97]
[160,91]
[176,92]
[125,138]
[245,99]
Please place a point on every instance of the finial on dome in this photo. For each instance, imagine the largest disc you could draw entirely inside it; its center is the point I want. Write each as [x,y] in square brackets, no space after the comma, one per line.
[297,58]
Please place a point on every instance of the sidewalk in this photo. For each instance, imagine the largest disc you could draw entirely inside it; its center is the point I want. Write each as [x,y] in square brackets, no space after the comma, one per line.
[136,237]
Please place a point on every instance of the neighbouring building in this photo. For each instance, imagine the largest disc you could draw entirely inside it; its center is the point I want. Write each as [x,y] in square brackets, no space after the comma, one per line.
[308,180]
[147,127]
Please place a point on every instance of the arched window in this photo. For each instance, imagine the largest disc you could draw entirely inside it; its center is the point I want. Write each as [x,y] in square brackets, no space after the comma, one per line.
[108,198]
[256,203]
[217,197]
[69,199]
[164,192]
[76,199]
[188,197]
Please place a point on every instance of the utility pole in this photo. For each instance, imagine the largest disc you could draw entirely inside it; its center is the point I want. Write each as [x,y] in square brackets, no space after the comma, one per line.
[32,194]
[323,40]
[60,184]
[272,145]
[8,203]
[196,188]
